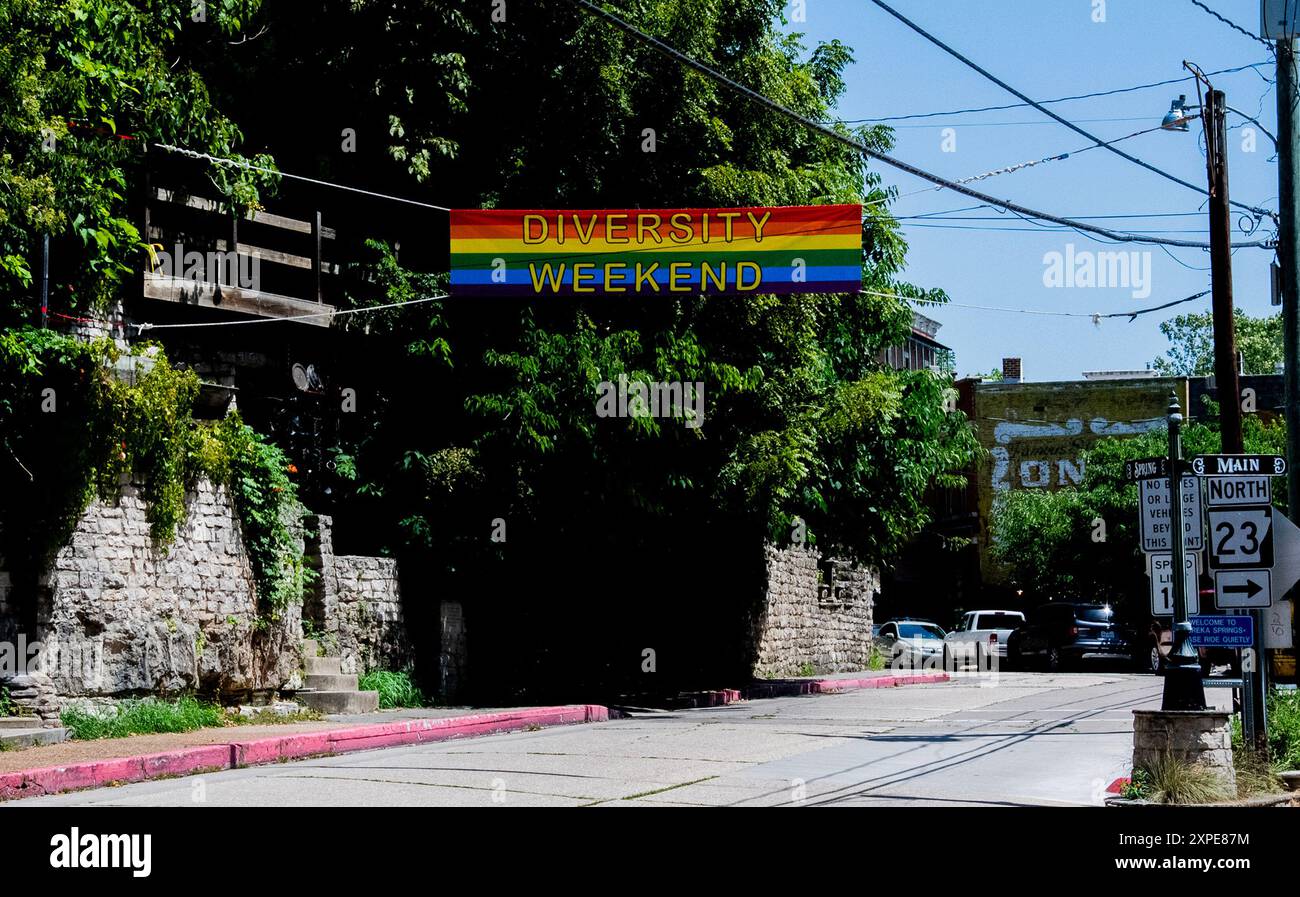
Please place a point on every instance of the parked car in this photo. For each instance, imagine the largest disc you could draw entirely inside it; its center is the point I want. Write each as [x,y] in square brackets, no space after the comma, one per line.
[1066,633]
[980,634]
[911,642]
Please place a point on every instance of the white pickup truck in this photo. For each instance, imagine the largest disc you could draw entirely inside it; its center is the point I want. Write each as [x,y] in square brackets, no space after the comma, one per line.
[979,635]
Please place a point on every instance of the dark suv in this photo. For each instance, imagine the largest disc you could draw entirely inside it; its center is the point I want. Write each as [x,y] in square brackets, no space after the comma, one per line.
[1061,634]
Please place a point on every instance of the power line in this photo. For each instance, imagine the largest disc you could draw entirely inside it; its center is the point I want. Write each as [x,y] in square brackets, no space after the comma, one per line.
[239,163]
[861,147]
[1096,317]
[1254,66]
[1048,112]
[141,328]
[1231,24]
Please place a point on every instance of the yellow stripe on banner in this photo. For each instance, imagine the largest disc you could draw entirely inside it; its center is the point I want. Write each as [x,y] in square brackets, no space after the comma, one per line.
[550,247]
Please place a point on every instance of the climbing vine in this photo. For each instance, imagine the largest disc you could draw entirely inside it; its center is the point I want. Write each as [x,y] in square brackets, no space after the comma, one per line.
[79,419]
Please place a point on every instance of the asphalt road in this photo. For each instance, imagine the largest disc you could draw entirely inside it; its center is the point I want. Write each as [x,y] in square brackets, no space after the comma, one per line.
[1013,739]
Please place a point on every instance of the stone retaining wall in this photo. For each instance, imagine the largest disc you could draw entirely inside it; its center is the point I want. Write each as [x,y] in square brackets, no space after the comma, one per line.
[356,603]
[816,614]
[1200,738]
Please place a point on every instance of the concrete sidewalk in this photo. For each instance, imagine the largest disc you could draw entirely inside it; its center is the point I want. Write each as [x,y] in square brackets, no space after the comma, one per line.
[93,764]
[832,683]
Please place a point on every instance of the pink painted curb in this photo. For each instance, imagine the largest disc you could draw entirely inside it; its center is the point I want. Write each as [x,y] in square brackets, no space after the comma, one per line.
[831,686]
[233,755]
[794,688]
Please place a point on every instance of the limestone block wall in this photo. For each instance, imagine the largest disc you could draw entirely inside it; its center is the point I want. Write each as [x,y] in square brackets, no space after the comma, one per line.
[815,613]
[118,615]
[357,603]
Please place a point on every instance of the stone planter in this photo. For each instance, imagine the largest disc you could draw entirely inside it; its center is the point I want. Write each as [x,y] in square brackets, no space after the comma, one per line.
[1195,737]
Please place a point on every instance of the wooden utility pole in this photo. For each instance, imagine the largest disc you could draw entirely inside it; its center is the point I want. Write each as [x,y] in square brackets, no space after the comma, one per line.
[1226,381]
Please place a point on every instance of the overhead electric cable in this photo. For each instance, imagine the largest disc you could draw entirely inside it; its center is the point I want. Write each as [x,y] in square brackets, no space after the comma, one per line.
[1048,112]
[1231,24]
[141,328]
[861,147]
[1254,66]
[239,163]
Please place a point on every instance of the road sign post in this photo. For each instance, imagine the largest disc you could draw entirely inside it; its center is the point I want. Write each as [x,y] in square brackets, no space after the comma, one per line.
[1183,688]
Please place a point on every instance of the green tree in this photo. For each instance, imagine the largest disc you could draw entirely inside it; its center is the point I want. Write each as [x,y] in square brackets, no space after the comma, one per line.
[84,85]
[1191,350]
[1084,542]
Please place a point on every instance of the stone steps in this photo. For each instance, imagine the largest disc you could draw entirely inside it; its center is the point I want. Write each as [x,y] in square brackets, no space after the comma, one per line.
[19,722]
[15,739]
[328,689]
[331,682]
[324,666]
[340,701]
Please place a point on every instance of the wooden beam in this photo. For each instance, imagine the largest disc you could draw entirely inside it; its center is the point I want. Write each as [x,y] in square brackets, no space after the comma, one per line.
[204,204]
[233,298]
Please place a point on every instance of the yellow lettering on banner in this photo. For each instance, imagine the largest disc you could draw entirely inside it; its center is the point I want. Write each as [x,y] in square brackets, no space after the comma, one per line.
[719,279]
[548,277]
[741,267]
[530,220]
[704,227]
[610,226]
[728,217]
[647,276]
[584,237]
[559,228]
[681,221]
[642,228]
[676,271]
[759,224]
[609,284]
[580,271]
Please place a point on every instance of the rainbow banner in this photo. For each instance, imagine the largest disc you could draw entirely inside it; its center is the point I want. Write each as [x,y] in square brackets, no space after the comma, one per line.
[545,252]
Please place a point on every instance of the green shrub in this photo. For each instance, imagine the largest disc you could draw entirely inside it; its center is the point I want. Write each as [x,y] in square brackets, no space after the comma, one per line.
[6,703]
[144,716]
[396,689]
[1284,728]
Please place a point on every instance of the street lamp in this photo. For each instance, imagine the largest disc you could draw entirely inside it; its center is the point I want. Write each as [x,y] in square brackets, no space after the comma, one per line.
[1176,118]
[1183,687]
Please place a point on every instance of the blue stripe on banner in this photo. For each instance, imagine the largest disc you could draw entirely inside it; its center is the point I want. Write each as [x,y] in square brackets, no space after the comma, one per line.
[520,276]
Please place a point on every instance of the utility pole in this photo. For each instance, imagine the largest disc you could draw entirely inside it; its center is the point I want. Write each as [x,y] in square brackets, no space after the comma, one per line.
[1228,387]
[1225,339]
[1288,254]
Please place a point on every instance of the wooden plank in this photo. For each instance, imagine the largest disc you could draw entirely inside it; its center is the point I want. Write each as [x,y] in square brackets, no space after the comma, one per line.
[250,302]
[204,204]
[259,252]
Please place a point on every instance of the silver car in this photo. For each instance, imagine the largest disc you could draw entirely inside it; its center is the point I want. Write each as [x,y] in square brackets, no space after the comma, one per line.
[911,643]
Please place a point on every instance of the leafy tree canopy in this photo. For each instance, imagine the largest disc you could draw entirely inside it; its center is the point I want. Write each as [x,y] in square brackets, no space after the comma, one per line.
[1191,350]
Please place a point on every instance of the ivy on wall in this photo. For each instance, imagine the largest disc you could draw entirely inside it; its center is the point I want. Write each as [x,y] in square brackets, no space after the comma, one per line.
[72,430]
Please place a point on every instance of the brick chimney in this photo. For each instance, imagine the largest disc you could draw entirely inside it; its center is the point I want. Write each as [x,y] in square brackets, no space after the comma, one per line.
[1011,370]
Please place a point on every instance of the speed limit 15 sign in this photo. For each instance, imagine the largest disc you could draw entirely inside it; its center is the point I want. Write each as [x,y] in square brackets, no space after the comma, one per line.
[1241,536]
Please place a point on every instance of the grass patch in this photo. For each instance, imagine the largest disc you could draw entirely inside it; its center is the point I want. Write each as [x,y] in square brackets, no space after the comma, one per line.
[269,717]
[877,661]
[1172,781]
[143,716]
[396,689]
[1284,728]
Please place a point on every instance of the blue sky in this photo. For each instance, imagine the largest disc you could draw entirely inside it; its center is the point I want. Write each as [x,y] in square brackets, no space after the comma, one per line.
[1048,49]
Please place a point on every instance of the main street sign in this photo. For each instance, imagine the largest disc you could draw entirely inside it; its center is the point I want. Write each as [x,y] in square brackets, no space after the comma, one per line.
[1160,570]
[1213,631]
[1239,465]
[1241,537]
[1157,527]
[1222,491]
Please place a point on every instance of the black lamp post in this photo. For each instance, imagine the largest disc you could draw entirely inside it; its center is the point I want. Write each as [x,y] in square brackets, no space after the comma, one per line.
[1183,687]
